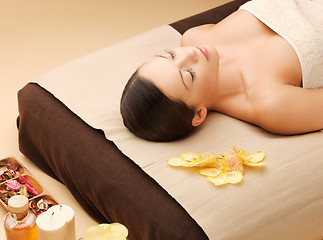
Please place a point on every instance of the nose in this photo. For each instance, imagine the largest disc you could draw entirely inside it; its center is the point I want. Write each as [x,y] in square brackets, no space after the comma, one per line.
[186,56]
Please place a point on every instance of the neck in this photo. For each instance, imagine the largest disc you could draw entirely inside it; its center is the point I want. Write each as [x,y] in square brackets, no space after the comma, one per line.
[230,80]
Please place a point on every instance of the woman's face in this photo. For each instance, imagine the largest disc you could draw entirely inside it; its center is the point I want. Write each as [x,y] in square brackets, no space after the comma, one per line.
[185,73]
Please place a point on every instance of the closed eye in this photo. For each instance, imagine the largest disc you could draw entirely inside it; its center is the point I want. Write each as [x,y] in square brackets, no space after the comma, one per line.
[191,72]
[172,53]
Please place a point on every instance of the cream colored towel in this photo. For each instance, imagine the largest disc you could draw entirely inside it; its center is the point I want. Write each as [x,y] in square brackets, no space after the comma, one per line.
[300,22]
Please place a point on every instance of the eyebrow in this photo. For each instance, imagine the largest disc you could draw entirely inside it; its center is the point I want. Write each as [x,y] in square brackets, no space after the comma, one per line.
[179,71]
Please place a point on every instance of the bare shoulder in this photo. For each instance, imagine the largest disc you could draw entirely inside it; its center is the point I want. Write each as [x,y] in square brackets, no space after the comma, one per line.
[287,109]
[241,23]
[193,35]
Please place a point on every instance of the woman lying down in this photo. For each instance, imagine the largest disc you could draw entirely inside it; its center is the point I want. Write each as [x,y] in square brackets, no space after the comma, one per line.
[263,64]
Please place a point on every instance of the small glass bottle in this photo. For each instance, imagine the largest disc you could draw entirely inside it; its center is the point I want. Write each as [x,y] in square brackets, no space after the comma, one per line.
[20,222]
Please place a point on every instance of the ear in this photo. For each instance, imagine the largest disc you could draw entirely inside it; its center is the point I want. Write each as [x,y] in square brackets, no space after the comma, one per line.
[199,116]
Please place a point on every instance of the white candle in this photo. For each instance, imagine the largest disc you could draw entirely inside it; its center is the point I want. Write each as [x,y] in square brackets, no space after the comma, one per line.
[51,226]
[68,212]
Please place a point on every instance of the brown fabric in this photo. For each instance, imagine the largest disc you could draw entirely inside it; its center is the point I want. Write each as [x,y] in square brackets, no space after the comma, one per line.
[104,181]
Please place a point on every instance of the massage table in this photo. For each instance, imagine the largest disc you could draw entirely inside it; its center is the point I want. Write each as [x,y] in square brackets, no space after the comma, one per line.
[283,200]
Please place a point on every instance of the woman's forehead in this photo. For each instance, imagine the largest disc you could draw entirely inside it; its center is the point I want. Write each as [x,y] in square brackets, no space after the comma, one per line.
[164,74]
[158,68]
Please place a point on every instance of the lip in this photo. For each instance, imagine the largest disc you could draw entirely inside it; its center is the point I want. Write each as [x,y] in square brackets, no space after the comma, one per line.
[204,52]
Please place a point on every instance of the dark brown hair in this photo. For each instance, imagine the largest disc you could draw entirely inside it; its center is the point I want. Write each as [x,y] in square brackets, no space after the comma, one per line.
[149,114]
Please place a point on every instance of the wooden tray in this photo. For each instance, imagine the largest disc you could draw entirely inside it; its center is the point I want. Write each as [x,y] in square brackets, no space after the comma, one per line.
[37,203]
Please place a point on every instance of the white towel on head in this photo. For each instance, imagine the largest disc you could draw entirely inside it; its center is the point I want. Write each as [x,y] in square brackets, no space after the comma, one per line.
[300,22]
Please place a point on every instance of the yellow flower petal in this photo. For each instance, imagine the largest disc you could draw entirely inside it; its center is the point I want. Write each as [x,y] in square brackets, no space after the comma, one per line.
[217,181]
[233,177]
[237,150]
[94,233]
[205,155]
[118,227]
[224,154]
[210,172]
[190,164]
[176,162]
[113,235]
[208,162]
[260,164]
[255,157]
[224,164]
[105,231]
[188,156]
[234,163]
[207,159]
[105,226]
